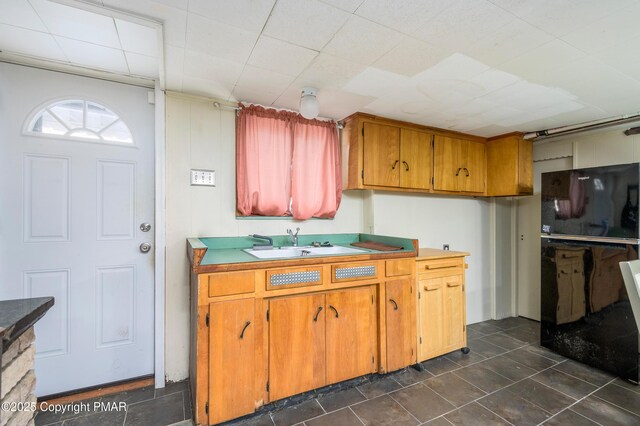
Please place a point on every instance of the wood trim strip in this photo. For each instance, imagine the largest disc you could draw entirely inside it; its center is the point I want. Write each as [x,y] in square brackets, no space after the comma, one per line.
[97,392]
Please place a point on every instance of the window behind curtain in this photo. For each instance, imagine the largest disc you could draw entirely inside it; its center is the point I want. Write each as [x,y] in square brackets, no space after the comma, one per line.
[286,165]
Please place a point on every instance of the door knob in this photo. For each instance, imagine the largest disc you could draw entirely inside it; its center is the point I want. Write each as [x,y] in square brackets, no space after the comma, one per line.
[145,227]
[145,247]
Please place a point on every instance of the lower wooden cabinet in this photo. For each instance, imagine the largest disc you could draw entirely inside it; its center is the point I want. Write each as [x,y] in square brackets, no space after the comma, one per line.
[442,306]
[319,339]
[232,359]
[400,315]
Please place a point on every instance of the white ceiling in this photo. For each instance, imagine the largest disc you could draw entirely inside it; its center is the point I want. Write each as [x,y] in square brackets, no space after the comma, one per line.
[477,66]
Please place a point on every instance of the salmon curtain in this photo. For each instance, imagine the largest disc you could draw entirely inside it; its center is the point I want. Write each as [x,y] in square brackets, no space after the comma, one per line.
[286,165]
[316,181]
[264,147]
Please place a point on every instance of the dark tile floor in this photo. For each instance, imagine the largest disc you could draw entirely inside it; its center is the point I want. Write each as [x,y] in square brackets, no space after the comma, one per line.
[144,407]
[506,379]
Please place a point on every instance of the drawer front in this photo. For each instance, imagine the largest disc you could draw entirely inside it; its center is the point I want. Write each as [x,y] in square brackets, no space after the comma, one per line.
[354,272]
[399,267]
[439,264]
[224,284]
[293,277]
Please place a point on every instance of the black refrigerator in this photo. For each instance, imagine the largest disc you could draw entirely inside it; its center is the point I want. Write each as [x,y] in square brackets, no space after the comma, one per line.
[589,224]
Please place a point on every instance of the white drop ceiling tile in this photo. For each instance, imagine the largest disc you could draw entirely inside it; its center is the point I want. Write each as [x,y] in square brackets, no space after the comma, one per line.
[540,113]
[178,4]
[261,80]
[346,5]
[377,83]
[202,87]
[329,71]
[77,24]
[404,16]
[612,30]
[137,38]
[362,41]
[218,39]
[29,42]
[493,79]
[289,99]
[145,66]
[252,96]
[463,23]
[338,104]
[411,56]
[174,67]
[466,124]
[307,23]
[93,56]
[476,106]
[280,56]
[250,15]
[495,115]
[200,66]
[454,67]
[618,57]
[511,40]
[19,13]
[538,63]
[490,130]
[174,20]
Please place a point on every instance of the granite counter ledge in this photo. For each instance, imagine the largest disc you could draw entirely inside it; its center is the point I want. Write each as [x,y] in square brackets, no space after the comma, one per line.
[221,254]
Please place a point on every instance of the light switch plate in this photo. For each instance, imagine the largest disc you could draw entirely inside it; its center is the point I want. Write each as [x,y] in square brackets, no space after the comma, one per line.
[203,177]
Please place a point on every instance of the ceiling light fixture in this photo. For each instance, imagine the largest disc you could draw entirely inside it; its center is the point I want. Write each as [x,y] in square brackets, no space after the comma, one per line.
[309,105]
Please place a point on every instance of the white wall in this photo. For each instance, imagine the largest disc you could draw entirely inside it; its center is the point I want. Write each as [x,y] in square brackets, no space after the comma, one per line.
[200,136]
[461,222]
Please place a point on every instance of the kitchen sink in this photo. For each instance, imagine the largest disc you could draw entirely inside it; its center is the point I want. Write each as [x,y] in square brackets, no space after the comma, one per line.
[293,252]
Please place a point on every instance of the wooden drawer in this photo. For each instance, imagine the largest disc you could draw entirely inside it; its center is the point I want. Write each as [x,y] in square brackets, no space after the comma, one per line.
[354,271]
[277,279]
[399,267]
[439,264]
[224,284]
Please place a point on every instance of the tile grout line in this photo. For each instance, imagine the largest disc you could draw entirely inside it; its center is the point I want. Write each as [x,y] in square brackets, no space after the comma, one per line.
[355,414]
[582,399]
[403,407]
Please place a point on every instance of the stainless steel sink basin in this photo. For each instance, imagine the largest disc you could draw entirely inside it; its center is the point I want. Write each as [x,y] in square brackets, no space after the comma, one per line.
[293,252]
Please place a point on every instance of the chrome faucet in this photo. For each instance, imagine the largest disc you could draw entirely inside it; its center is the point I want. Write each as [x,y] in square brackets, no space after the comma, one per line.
[294,237]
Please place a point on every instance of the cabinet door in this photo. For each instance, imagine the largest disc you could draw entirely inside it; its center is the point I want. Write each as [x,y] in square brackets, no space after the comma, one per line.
[446,163]
[296,345]
[431,317]
[400,316]
[381,155]
[415,159]
[351,333]
[454,312]
[232,359]
[473,160]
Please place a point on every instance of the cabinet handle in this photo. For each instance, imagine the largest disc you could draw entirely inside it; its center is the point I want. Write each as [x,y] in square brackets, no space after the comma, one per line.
[406,165]
[440,266]
[334,309]
[244,329]
[453,284]
[427,288]
[395,305]
[467,171]
[458,172]
[317,313]
[394,165]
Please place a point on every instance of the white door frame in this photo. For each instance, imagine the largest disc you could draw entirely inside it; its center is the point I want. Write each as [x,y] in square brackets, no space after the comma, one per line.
[160,243]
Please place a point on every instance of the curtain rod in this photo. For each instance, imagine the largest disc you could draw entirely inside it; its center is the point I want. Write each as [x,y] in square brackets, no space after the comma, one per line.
[217,104]
[589,125]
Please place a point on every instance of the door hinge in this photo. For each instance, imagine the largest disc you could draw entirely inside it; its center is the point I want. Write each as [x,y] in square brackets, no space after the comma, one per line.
[373,359]
[267,315]
[372,299]
[206,320]
[433,181]
[267,386]
[363,131]
[419,295]
[420,339]
[433,138]
[206,407]
[362,174]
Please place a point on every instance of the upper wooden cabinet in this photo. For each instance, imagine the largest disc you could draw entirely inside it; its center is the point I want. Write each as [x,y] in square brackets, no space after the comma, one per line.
[380,153]
[459,165]
[396,157]
[510,166]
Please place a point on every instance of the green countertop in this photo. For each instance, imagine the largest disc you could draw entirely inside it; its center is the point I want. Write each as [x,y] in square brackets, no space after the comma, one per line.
[227,250]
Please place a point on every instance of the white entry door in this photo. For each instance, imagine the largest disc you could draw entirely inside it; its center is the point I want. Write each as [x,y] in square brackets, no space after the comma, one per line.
[72,205]
[528,251]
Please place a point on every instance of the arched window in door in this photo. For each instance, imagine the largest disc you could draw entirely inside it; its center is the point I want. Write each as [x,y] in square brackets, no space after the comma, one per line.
[79,119]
